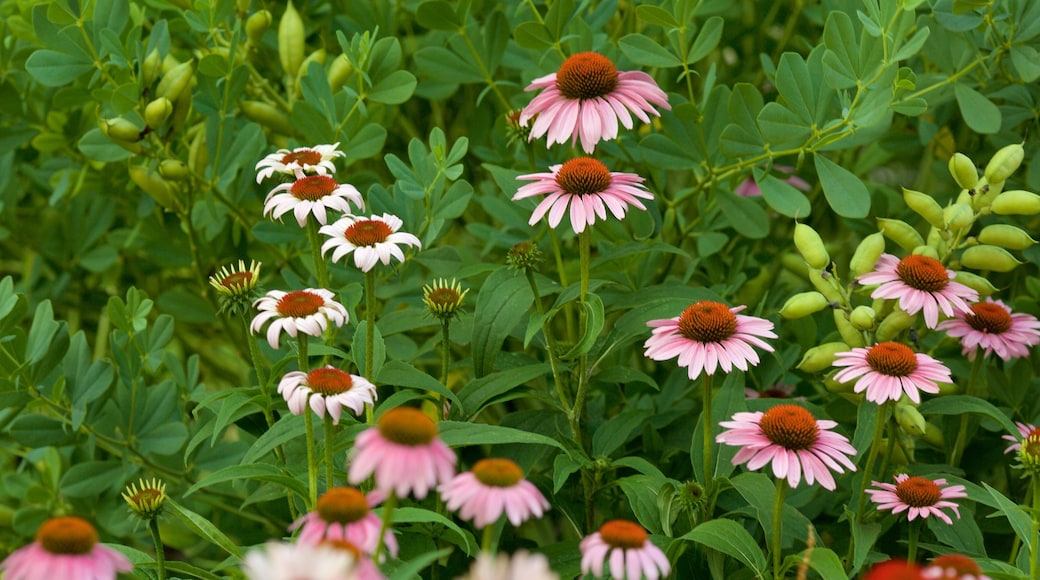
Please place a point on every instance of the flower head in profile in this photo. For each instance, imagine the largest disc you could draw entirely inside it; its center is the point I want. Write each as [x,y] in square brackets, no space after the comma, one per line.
[1024,430]
[708,336]
[626,548]
[312,195]
[493,487]
[147,501]
[372,239]
[285,561]
[236,287]
[587,187]
[66,547]
[344,514]
[918,496]
[894,569]
[302,160]
[326,389]
[919,283]
[404,454]
[443,299]
[524,256]
[586,98]
[522,565]
[1029,454]
[309,311]
[990,326]
[888,370]
[953,567]
[793,441]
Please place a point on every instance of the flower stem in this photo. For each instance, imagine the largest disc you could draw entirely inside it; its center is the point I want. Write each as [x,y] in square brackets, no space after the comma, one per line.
[1034,546]
[911,550]
[709,428]
[487,543]
[370,336]
[330,430]
[550,342]
[778,521]
[962,432]
[578,409]
[160,554]
[875,445]
[312,462]
[388,511]
[261,377]
[320,269]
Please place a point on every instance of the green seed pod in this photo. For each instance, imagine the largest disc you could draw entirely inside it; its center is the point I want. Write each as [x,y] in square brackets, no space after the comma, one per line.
[896,322]
[935,240]
[900,232]
[867,253]
[317,56]
[256,25]
[925,251]
[810,246]
[291,40]
[121,129]
[157,111]
[837,388]
[863,318]
[959,216]
[198,155]
[825,287]
[985,193]
[963,171]
[821,357]
[803,304]
[793,263]
[173,169]
[981,285]
[339,71]
[1006,236]
[154,185]
[925,206]
[849,334]
[986,257]
[176,81]
[1004,163]
[1016,202]
[267,115]
[910,420]
[150,68]
[933,435]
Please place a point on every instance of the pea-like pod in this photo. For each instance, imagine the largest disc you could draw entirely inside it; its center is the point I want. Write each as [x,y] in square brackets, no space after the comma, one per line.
[803,304]
[867,253]
[317,56]
[933,435]
[339,71]
[926,250]
[150,68]
[900,232]
[824,286]
[958,216]
[267,115]
[963,170]
[157,111]
[837,388]
[174,82]
[892,325]
[863,318]
[173,169]
[256,25]
[1005,162]
[987,257]
[291,40]
[154,185]
[1006,236]
[977,283]
[198,155]
[848,332]
[120,129]
[925,206]
[910,420]
[1016,202]
[810,246]
[821,356]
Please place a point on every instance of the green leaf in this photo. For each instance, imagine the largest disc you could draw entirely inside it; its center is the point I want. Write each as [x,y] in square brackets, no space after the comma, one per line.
[91,478]
[446,66]
[563,468]
[288,428]
[56,69]
[665,152]
[745,215]
[413,515]
[795,85]
[532,35]
[202,527]
[485,390]
[502,302]
[781,126]
[960,404]
[401,374]
[913,45]
[593,308]
[840,61]
[730,538]
[655,15]
[845,193]
[979,112]
[707,39]
[438,15]
[459,434]
[759,491]
[257,471]
[1018,517]
[41,334]
[643,51]
[826,562]
[363,144]
[785,198]
[1027,62]
[394,89]
[614,432]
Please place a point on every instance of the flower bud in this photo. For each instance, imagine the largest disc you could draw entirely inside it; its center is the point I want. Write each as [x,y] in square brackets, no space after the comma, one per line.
[981,285]
[821,356]
[524,256]
[986,257]
[810,246]
[910,420]
[157,111]
[154,185]
[1004,163]
[963,171]
[1016,202]
[867,253]
[900,232]
[339,71]
[256,25]
[825,287]
[1006,236]
[291,37]
[958,216]
[147,501]
[849,334]
[933,435]
[863,318]
[150,68]
[803,304]
[896,322]
[268,116]
[175,81]
[173,169]
[120,129]
[925,206]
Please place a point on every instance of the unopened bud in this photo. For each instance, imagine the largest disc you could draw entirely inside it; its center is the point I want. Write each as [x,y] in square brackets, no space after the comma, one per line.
[867,253]
[150,68]
[981,285]
[175,81]
[157,111]
[896,322]
[837,388]
[291,39]
[963,171]
[910,420]
[173,169]
[958,216]
[1006,236]
[1016,202]
[947,389]
[925,206]
[317,56]
[821,357]
[803,304]
[198,154]
[1004,163]
[900,232]
[986,257]
[849,334]
[256,25]
[863,318]
[810,246]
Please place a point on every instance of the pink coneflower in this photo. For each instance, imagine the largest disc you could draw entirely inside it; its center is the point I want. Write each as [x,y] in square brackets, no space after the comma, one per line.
[493,486]
[953,567]
[749,187]
[887,370]
[285,561]
[920,283]
[317,159]
[373,239]
[586,97]
[67,548]
[894,569]
[311,195]
[1025,430]
[344,513]
[521,566]
[626,547]
[588,187]
[404,453]
[327,388]
[709,335]
[308,311]
[919,496]
[795,442]
[991,326]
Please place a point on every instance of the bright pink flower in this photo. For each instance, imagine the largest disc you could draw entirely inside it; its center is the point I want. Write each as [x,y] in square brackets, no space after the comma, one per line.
[795,442]
[707,336]
[588,187]
[992,327]
[749,187]
[887,370]
[317,159]
[953,567]
[894,569]
[67,548]
[586,98]
[372,239]
[308,311]
[1025,430]
[919,283]
[493,486]
[344,514]
[311,195]
[626,547]
[326,389]
[404,453]
[918,496]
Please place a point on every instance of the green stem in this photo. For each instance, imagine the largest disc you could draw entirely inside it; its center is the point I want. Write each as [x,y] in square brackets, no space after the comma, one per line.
[911,550]
[778,520]
[550,342]
[445,361]
[320,269]
[875,445]
[160,554]
[370,336]
[1034,545]
[308,420]
[709,428]
[962,432]
[388,512]
[330,433]
[487,543]
[578,409]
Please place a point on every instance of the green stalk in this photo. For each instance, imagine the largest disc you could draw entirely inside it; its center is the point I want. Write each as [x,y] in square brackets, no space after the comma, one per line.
[875,445]
[312,462]
[709,428]
[388,512]
[330,430]
[778,521]
[487,543]
[370,336]
[1034,546]
[578,409]
[320,269]
[261,377]
[160,555]
[550,342]
[911,550]
[962,432]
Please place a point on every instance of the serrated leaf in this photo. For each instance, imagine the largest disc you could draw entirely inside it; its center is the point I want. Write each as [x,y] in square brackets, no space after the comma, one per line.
[845,193]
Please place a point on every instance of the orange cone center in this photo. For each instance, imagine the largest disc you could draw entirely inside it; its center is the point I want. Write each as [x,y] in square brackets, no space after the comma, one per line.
[586,75]
[923,273]
[707,321]
[918,492]
[313,187]
[623,534]
[299,304]
[407,426]
[988,317]
[67,535]
[892,358]
[304,157]
[583,176]
[342,505]
[498,472]
[329,381]
[367,232]
[790,426]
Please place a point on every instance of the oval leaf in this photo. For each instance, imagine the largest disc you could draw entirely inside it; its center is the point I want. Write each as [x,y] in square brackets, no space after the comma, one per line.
[845,193]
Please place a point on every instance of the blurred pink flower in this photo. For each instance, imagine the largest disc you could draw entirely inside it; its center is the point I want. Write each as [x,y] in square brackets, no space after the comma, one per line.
[326,389]
[492,487]
[888,370]
[625,545]
[521,565]
[749,187]
[918,496]
[308,311]
[311,195]
[992,327]
[919,283]
[66,548]
[953,567]
[344,513]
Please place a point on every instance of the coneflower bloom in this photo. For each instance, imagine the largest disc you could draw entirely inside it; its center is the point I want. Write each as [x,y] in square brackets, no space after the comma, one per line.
[588,187]
[522,565]
[326,389]
[312,195]
[918,496]
[493,487]
[309,311]
[795,442]
[363,569]
[919,283]
[67,548]
[888,370]
[317,159]
[1024,430]
[586,98]
[992,327]
[953,567]
[627,548]
[404,453]
[285,561]
[708,336]
[372,239]
[344,513]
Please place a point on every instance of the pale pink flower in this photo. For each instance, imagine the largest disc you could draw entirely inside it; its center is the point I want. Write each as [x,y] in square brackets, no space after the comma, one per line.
[888,370]
[312,195]
[344,514]
[493,487]
[404,453]
[285,561]
[795,442]
[588,187]
[66,548]
[625,546]
[317,159]
[919,283]
[749,187]
[309,311]
[918,496]
[708,336]
[586,97]
[521,566]
[992,327]
[373,239]
[326,389]
[953,567]
[1025,430]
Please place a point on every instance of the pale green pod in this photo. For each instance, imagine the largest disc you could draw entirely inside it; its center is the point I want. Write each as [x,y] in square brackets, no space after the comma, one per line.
[959,216]
[977,283]
[198,154]
[849,334]
[173,169]
[910,420]
[925,250]
[339,71]
[863,318]
[963,170]
[900,232]
[867,253]
[121,129]
[317,56]
[821,356]
[810,246]
[1006,236]
[925,206]
[291,40]
[267,115]
[256,25]
[150,68]
[154,185]
[174,82]
[933,435]
[824,286]
[157,111]
[987,257]
[837,388]
[803,304]
[1016,202]
[1005,162]
[896,322]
